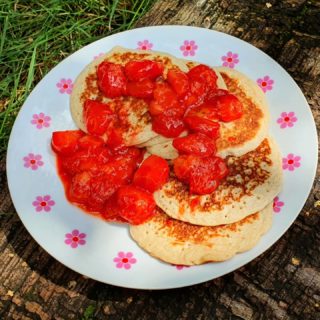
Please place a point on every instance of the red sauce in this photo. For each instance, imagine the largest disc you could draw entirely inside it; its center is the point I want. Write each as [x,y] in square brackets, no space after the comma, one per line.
[103,178]
[66,181]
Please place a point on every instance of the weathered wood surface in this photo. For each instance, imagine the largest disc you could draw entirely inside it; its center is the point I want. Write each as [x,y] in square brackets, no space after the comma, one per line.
[283,283]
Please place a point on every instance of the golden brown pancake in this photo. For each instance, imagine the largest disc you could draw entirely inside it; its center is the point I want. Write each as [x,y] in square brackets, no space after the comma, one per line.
[179,242]
[135,117]
[137,122]
[254,180]
[237,137]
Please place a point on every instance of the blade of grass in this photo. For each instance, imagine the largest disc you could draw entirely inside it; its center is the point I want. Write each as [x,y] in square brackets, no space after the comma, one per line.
[3,35]
[30,76]
[113,9]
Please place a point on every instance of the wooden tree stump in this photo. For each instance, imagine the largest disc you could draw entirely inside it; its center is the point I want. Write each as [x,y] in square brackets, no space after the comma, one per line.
[283,283]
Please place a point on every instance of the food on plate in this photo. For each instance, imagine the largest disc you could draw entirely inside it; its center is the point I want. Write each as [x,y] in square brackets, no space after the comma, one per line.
[177,149]
[238,136]
[178,242]
[128,96]
[253,180]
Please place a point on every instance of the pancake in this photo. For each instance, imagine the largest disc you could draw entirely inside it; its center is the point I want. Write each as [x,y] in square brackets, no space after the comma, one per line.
[182,243]
[254,180]
[245,134]
[237,137]
[136,119]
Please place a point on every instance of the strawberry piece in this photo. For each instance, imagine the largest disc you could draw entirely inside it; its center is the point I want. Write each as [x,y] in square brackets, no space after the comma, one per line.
[90,142]
[164,99]
[182,166]
[66,142]
[204,75]
[141,89]
[204,177]
[196,95]
[215,93]
[201,183]
[135,205]
[143,69]
[205,126]
[111,210]
[203,174]
[221,168]
[98,117]
[115,138]
[196,143]
[169,127]
[179,82]
[228,107]
[148,178]
[80,189]
[111,79]
[205,110]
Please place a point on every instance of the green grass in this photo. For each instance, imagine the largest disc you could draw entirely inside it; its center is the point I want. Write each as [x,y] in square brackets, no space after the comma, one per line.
[38,34]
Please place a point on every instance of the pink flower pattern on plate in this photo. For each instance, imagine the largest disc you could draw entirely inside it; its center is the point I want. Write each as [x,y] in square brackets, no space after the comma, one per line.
[33,161]
[124,260]
[287,120]
[189,48]
[65,86]
[180,266]
[43,203]
[98,56]
[230,59]
[144,45]
[75,238]
[277,205]
[291,162]
[41,120]
[265,83]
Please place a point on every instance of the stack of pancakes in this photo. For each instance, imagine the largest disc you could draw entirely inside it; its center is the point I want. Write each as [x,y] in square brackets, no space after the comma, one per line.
[191,229]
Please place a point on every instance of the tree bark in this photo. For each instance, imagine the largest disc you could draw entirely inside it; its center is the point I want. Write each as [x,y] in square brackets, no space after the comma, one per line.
[283,283]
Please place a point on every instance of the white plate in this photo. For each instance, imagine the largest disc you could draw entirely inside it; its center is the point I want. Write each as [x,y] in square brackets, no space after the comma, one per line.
[101,246]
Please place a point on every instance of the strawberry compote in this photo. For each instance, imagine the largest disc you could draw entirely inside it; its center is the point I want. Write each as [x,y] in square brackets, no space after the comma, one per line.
[105,177]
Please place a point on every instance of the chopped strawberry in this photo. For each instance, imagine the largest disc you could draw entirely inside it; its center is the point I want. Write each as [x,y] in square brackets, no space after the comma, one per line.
[86,160]
[179,81]
[115,138]
[98,117]
[228,107]
[135,205]
[66,142]
[196,95]
[203,174]
[169,127]
[196,143]
[204,75]
[143,69]
[140,89]
[80,189]
[204,110]
[164,99]
[221,168]
[102,189]
[202,125]
[90,142]
[111,79]
[201,183]
[182,166]
[215,93]
[152,174]
[111,210]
